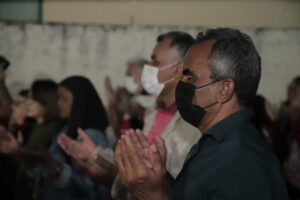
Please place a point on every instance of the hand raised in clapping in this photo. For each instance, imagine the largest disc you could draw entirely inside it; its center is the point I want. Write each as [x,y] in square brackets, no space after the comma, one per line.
[141,165]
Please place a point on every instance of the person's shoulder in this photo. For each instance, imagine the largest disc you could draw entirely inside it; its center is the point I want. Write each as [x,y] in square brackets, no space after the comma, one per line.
[249,165]
[95,134]
[93,131]
[247,147]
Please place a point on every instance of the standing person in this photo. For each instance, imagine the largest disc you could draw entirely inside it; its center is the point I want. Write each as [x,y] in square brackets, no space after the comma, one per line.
[81,107]
[287,135]
[127,105]
[41,105]
[289,114]
[5,97]
[19,120]
[159,78]
[264,117]
[231,160]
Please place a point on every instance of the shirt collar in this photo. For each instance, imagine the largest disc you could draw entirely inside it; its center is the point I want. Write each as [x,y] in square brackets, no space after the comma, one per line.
[225,128]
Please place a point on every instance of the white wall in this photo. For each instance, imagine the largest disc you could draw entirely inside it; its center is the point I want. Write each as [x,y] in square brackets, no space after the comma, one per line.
[60,50]
[238,13]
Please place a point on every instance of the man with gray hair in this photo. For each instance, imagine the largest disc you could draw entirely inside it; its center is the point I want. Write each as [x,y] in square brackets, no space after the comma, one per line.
[133,74]
[231,160]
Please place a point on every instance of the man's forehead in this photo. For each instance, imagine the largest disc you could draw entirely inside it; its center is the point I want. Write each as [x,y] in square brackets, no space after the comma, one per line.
[199,53]
[162,48]
[164,44]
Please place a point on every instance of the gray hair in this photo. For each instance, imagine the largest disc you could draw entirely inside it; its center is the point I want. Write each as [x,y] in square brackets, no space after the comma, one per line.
[182,41]
[234,56]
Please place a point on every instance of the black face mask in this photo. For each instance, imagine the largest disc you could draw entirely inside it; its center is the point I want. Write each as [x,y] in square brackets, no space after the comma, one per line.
[184,94]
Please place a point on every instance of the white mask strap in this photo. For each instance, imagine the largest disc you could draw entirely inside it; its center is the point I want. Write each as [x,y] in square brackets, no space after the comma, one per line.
[167,66]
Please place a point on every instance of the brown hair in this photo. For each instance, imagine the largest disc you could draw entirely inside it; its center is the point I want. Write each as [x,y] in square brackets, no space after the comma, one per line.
[292,88]
[45,92]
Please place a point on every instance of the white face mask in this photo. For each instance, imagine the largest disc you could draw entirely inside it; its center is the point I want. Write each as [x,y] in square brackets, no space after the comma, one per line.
[150,79]
[146,101]
[130,85]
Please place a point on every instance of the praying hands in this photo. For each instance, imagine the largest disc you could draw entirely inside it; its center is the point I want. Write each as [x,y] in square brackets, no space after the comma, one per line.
[141,165]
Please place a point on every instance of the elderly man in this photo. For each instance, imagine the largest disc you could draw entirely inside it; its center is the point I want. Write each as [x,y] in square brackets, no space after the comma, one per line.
[127,105]
[231,161]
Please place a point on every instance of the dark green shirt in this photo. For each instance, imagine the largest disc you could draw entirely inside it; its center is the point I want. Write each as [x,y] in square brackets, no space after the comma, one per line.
[231,161]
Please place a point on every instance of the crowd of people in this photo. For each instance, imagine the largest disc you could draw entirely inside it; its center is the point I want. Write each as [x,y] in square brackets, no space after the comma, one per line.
[187,124]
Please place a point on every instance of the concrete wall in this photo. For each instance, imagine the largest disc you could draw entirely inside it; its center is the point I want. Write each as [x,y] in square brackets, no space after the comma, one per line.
[238,13]
[59,50]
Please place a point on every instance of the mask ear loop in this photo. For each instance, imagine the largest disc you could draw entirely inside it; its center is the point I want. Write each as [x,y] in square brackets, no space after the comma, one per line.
[202,86]
[166,67]
[210,105]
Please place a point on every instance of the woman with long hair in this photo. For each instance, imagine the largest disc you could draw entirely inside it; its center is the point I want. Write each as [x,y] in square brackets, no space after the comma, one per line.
[81,107]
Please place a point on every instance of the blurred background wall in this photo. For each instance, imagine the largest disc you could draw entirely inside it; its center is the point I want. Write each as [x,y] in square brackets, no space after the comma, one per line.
[55,39]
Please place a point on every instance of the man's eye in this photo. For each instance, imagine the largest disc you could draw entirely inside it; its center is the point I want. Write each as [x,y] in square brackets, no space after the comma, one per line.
[190,78]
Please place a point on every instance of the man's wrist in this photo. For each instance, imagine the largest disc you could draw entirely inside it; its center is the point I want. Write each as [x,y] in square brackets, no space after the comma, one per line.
[158,196]
[162,196]
[93,155]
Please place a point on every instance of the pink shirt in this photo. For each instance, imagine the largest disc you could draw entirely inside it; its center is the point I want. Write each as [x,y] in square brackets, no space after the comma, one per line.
[161,120]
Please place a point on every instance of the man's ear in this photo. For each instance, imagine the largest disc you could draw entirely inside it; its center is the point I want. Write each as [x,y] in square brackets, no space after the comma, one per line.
[179,70]
[225,90]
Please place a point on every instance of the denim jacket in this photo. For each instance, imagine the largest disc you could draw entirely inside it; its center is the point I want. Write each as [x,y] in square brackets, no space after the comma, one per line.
[72,184]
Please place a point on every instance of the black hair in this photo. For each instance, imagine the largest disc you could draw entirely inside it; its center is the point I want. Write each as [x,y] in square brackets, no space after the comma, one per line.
[292,88]
[261,118]
[24,93]
[87,110]
[4,63]
[234,56]
[45,92]
[181,40]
